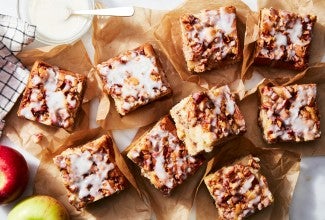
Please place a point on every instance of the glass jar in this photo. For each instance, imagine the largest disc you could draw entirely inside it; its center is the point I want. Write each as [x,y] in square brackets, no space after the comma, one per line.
[53,23]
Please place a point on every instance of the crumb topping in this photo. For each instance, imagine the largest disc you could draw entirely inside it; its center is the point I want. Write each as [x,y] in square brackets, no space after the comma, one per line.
[81,165]
[284,35]
[239,190]
[52,97]
[163,158]
[132,79]
[89,173]
[289,113]
[206,117]
[210,35]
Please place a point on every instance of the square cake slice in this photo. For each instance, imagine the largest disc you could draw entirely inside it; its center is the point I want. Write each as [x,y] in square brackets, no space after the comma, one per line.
[289,113]
[134,78]
[284,39]
[239,190]
[89,172]
[52,96]
[163,158]
[210,39]
[205,119]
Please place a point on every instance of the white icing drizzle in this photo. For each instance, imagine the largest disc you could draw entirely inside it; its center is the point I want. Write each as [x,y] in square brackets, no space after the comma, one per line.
[211,28]
[36,80]
[50,83]
[280,40]
[237,195]
[224,95]
[295,33]
[34,95]
[27,113]
[247,185]
[226,21]
[70,78]
[264,51]
[56,101]
[214,20]
[160,171]
[281,34]
[199,125]
[131,80]
[301,126]
[230,104]
[159,139]
[254,201]
[217,100]
[71,101]
[83,164]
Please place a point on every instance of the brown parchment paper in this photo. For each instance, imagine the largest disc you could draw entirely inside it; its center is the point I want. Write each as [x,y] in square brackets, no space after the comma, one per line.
[126,204]
[178,205]
[168,34]
[317,50]
[280,167]
[21,131]
[114,36]
[249,108]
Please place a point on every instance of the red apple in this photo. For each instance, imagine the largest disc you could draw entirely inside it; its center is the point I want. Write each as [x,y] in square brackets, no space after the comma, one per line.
[14,174]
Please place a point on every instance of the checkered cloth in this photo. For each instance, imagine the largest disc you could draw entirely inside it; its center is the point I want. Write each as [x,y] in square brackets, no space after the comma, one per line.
[14,35]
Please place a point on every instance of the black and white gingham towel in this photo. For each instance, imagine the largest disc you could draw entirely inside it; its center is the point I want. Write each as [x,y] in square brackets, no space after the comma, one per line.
[14,35]
[12,81]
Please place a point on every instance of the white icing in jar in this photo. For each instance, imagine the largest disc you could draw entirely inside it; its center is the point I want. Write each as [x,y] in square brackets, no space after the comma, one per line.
[52,20]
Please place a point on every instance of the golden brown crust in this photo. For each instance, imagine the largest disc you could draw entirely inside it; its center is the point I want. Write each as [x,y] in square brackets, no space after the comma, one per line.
[52,96]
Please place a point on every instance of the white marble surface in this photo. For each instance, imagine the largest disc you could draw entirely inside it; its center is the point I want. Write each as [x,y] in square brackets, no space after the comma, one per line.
[309,197]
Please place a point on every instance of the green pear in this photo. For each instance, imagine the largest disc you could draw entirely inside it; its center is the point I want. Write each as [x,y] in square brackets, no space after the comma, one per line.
[39,207]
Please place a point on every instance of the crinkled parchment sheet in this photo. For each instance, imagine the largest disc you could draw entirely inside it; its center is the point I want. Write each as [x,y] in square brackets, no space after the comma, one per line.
[22,131]
[114,36]
[249,108]
[280,167]
[126,204]
[314,74]
[168,34]
[317,50]
[176,206]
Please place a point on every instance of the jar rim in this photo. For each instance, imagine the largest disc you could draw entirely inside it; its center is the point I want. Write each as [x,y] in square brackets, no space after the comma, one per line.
[22,11]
